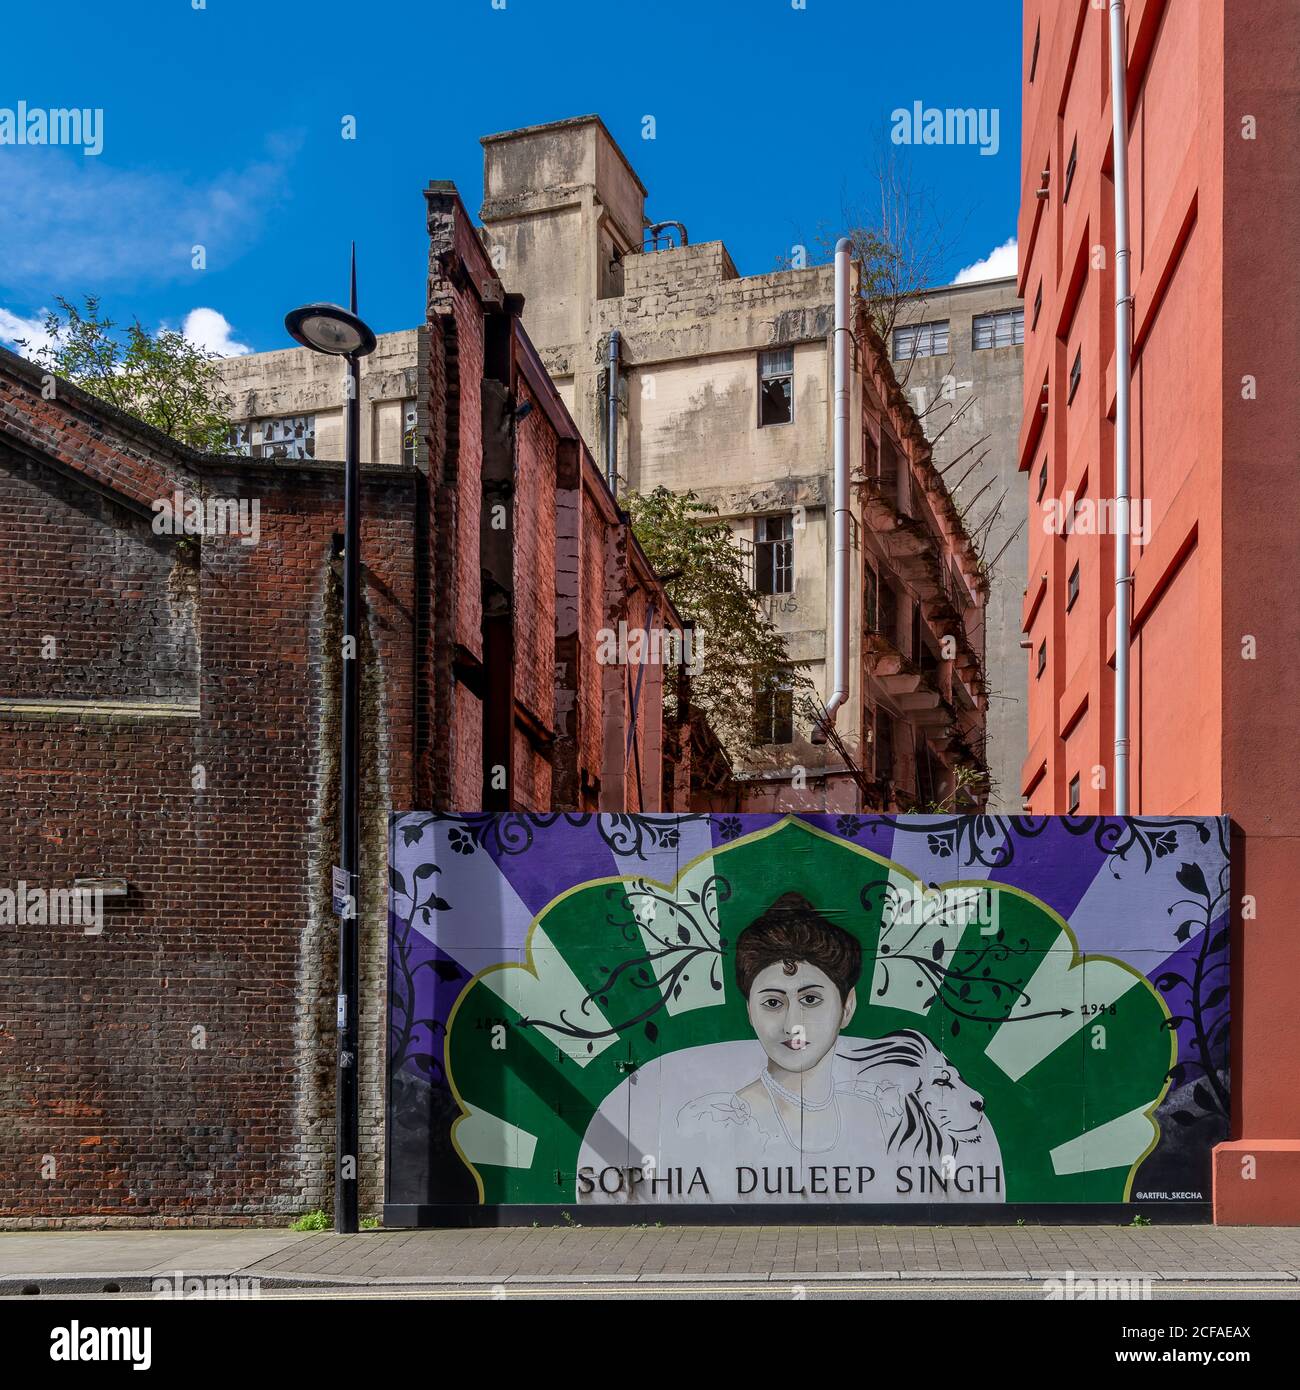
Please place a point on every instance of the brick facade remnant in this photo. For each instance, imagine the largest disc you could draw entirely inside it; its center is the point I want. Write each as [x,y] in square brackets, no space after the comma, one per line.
[169,723]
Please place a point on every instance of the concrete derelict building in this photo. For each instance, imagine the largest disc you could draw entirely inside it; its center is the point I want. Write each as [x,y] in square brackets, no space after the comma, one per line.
[723,386]
[958,353]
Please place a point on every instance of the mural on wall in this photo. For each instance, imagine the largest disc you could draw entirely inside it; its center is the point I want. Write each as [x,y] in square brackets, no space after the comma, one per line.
[618,1009]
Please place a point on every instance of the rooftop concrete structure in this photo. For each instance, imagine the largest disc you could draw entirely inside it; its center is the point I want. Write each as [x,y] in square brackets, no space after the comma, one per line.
[724,388]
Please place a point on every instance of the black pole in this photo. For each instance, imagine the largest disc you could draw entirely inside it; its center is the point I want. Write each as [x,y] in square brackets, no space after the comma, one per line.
[347,1143]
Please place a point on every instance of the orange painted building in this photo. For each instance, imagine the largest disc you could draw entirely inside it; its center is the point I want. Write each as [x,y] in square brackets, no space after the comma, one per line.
[1215,652]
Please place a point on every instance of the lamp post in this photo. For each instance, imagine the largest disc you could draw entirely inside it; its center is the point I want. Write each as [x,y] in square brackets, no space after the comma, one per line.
[330,329]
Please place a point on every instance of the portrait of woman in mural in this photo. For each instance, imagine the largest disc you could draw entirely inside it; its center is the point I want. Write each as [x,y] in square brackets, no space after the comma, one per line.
[799,974]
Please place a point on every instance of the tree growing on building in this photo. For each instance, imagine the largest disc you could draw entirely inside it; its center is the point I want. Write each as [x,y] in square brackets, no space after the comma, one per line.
[706,576]
[161,378]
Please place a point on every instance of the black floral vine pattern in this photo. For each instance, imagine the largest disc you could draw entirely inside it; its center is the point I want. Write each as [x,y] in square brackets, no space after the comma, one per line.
[974,985]
[664,951]
[1193,1000]
[990,841]
[403,1022]
[511,833]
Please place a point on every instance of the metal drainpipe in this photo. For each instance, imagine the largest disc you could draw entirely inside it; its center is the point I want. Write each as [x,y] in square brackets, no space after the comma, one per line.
[1123,371]
[840,610]
[611,443]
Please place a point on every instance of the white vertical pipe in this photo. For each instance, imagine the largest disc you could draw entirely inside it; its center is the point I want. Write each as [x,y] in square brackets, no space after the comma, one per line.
[1123,371]
[840,515]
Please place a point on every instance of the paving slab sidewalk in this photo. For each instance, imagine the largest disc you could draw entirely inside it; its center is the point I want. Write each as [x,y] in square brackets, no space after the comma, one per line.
[83,1259]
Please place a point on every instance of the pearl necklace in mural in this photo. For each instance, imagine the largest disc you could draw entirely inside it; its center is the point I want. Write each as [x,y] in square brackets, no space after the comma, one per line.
[774,1089]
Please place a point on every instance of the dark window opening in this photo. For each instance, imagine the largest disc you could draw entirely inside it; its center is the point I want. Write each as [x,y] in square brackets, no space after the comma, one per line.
[887,613]
[871,601]
[776,387]
[773,712]
[774,554]
[410,431]
[883,744]
[1042,656]
[1038,305]
[1076,371]
[1042,480]
[1069,170]
[1074,793]
[1033,61]
[1072,592]
[929,777]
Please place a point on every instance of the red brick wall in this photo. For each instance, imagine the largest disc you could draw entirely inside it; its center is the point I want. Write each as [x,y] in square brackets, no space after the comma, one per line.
[179,1066]
[180,1063]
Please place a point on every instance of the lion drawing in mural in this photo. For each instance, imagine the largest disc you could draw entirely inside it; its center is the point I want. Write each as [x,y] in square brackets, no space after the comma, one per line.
[925,1107]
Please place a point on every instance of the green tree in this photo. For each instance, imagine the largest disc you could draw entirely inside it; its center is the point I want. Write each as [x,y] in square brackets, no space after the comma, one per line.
[161,378]
[707,578]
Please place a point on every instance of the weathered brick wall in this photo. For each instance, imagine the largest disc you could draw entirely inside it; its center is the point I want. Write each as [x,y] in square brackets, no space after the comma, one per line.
[120,620]
[179,1064]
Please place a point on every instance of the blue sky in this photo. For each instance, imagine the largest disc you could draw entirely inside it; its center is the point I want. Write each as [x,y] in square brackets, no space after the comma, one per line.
[222,127]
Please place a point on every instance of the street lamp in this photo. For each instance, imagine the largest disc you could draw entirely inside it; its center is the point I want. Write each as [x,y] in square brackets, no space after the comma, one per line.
[331,329]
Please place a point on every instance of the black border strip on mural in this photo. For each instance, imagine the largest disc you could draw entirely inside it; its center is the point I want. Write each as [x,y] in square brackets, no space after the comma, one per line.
[401,1215]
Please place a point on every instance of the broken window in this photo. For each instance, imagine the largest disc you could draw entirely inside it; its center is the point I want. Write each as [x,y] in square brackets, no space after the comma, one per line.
[773,711]
[776,386]
[774,554]
[287,437]
[921,340]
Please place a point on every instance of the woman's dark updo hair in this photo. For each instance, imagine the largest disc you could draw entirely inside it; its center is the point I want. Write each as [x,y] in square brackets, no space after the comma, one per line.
[792,930]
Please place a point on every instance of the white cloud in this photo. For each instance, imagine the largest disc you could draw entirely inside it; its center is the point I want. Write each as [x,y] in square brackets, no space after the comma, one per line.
[13,327]
[1001,261]
[210,330]
[72,225]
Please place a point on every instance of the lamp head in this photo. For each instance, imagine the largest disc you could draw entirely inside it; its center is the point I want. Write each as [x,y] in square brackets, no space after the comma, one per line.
[331,329]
